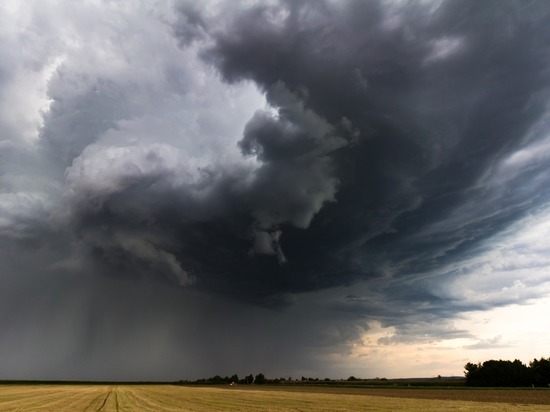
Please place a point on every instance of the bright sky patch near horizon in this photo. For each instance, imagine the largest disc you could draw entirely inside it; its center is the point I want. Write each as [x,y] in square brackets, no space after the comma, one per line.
[312,188]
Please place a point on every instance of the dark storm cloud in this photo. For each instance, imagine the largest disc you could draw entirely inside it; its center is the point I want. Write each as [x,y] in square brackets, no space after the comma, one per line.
[438,94]
[164,209]
[386,120]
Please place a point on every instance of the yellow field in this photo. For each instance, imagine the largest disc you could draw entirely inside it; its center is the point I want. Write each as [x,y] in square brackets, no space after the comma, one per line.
[182,398]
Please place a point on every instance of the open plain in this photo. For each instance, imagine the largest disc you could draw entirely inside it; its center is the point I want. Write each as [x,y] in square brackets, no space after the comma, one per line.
[268,398]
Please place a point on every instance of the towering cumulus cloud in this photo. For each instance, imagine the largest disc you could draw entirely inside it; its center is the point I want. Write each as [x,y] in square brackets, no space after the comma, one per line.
[180,182]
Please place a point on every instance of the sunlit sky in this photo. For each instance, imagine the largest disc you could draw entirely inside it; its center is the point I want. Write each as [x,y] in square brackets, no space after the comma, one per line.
[298,188]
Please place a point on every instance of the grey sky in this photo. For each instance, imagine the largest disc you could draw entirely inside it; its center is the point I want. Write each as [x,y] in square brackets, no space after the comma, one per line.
[195,188]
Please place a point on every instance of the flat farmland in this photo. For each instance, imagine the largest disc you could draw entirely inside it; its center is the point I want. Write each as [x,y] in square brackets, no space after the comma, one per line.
[269,398]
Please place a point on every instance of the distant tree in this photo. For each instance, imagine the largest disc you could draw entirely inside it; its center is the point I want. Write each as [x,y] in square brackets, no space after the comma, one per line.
[260,379]
[352,378]
[498,373]
[234,378]
[249,379]
[540,371]
[472,373]
[216,380]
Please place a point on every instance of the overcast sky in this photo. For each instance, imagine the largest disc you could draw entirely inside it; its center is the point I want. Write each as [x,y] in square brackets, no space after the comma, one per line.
[319,188]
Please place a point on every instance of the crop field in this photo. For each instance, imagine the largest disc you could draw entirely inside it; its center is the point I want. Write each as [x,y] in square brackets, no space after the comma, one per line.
[185,398]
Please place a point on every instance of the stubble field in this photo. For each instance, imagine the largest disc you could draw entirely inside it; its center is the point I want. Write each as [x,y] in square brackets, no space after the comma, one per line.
[183,398]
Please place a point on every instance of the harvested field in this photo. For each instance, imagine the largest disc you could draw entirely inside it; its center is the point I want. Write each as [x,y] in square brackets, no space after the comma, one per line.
[516,396]
[185,398]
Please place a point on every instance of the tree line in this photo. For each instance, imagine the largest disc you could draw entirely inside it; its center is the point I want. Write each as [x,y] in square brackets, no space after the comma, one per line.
[508,373]
[259,379]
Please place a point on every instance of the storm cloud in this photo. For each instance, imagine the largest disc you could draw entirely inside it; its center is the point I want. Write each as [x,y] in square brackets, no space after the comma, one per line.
[187,180]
